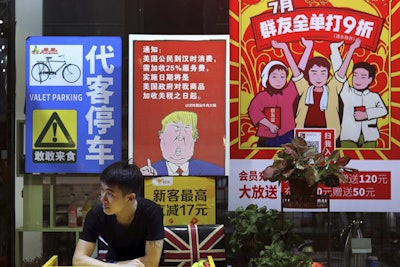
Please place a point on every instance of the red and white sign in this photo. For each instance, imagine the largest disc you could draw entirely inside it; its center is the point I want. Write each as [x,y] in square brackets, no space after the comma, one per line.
[246,186]
[328,24]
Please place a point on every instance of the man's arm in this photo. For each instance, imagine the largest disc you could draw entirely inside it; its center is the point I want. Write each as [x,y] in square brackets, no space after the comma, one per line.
[308,44]
[153,253]
[152,257]
[82,255]
[289,57]
[345,64]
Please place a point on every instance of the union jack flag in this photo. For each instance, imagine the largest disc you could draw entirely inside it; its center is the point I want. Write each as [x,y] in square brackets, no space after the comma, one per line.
[184,245]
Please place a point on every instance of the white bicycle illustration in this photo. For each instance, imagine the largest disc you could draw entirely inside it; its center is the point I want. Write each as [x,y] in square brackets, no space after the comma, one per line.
[42,70]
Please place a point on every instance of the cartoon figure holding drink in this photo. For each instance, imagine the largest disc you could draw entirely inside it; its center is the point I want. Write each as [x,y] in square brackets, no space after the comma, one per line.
[268,110]
[361,106]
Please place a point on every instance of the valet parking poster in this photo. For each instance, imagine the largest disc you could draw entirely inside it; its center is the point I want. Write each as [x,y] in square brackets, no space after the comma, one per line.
[286,35]
[73,104]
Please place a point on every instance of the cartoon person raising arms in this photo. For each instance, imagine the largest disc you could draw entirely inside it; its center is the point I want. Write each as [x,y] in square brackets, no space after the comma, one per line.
[319,98]
[272,110]
[361,106]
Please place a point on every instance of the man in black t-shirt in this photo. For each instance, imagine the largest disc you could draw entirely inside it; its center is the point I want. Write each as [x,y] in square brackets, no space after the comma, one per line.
[131,226]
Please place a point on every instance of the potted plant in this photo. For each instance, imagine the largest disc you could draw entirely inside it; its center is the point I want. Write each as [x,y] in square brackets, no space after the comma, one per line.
[255,227]
[35,262]
[300,161]
[276,255]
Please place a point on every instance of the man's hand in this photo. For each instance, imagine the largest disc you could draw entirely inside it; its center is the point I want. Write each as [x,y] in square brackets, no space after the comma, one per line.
[148,170]
[132,263]
[279,45]
[356,44]
[271,126]
[360,115]
[306,42]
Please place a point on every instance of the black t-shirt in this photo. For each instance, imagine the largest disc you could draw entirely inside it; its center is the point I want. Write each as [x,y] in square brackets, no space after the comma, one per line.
[125,243]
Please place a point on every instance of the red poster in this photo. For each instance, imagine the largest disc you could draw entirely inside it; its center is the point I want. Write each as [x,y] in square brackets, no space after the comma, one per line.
[277,45]
[371,185]
[179,91]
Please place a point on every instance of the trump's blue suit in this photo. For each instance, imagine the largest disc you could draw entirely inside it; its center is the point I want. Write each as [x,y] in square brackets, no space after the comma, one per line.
[196,168]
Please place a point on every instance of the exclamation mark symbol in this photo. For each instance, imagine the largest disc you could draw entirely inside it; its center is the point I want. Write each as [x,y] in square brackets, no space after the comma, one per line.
[54,132]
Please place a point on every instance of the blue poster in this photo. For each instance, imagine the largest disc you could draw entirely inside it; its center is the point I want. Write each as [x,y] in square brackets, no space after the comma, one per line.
[73,104]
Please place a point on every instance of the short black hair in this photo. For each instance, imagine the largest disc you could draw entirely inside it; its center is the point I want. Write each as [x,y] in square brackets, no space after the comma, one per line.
[368,67]
[125,175]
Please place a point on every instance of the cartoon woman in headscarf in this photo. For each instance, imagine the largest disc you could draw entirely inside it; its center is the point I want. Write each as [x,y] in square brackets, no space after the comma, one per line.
[272,110]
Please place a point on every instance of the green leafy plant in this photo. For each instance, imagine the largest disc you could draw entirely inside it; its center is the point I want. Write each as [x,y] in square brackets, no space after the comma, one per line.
[299,160]
[255,227]
[35,262]
[276,255]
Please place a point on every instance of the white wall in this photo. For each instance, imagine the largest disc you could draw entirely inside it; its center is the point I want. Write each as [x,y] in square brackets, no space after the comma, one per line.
[28,15]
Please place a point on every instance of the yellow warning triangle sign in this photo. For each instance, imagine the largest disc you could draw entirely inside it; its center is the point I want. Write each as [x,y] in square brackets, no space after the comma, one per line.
[52,125]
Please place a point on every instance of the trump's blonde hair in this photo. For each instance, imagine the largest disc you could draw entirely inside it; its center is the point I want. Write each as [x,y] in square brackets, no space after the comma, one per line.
[186,117]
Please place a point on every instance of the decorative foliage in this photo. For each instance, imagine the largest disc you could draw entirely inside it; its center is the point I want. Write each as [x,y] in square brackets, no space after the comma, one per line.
[276,255]
[35,262]
[255,227]
[298,160]
[201,263]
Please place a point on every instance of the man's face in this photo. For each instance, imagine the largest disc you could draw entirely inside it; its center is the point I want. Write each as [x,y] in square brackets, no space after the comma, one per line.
[113,200]
[177,143]
[361,79]
[318,76]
